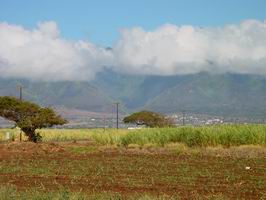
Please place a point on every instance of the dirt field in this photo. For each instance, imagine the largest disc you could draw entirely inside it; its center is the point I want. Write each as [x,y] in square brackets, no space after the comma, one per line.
[169,172]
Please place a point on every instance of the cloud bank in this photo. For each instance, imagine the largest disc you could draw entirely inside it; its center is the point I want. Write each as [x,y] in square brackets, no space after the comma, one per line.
[186,49]
[42,54]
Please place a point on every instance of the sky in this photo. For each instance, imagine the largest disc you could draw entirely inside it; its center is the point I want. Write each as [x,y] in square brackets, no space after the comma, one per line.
[101,20]
[67,40]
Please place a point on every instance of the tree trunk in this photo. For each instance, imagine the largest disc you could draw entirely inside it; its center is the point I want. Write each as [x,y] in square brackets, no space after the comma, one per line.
[31,134]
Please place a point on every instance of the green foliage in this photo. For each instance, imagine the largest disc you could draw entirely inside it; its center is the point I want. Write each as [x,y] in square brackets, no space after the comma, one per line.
[28,116]
[148,118]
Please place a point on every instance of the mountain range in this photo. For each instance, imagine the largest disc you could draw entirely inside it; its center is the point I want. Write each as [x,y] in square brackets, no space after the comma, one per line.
[233,95]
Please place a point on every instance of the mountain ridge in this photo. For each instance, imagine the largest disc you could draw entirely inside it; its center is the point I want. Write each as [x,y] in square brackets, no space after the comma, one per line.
[237,95]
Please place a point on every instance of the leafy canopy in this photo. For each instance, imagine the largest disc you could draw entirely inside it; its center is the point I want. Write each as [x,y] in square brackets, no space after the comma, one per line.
[148,118]
[28,116]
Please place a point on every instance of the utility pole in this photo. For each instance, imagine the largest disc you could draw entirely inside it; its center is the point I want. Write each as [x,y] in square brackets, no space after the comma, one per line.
[117,104]
[20,88]
[20,98]
[183,117]
[104,123]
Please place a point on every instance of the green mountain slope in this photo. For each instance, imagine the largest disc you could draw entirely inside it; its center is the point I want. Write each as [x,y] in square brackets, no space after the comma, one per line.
[203,93]
[215,94]
[78,95]
[227,95]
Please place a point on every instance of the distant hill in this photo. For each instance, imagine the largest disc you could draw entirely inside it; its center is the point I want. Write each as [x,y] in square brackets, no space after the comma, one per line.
[233,95]
[214,94]
[224,95]
[77,95]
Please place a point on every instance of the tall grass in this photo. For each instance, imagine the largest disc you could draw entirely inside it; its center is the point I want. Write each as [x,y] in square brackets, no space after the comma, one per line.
[225,135]
[13,133]
[100,136]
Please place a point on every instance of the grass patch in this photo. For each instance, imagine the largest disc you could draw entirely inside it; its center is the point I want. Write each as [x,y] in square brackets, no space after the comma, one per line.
[10,192]
[83,149]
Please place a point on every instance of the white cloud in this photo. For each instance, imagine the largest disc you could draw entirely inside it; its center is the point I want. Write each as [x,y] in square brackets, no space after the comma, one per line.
[42,54]
[186,49]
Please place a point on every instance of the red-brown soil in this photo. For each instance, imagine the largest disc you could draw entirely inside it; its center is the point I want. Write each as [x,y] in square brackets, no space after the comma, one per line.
[49,166]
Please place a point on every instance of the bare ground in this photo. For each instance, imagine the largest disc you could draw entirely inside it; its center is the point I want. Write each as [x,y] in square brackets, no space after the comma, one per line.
[238,172]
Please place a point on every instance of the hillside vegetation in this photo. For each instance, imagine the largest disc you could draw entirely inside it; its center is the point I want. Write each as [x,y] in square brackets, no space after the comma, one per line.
[227,95]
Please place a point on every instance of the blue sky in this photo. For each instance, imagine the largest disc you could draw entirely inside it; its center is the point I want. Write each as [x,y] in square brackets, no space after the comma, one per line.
[99,21]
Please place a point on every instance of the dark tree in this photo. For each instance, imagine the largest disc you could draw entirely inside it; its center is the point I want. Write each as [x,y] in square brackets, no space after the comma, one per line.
[28,116]
[148,118]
